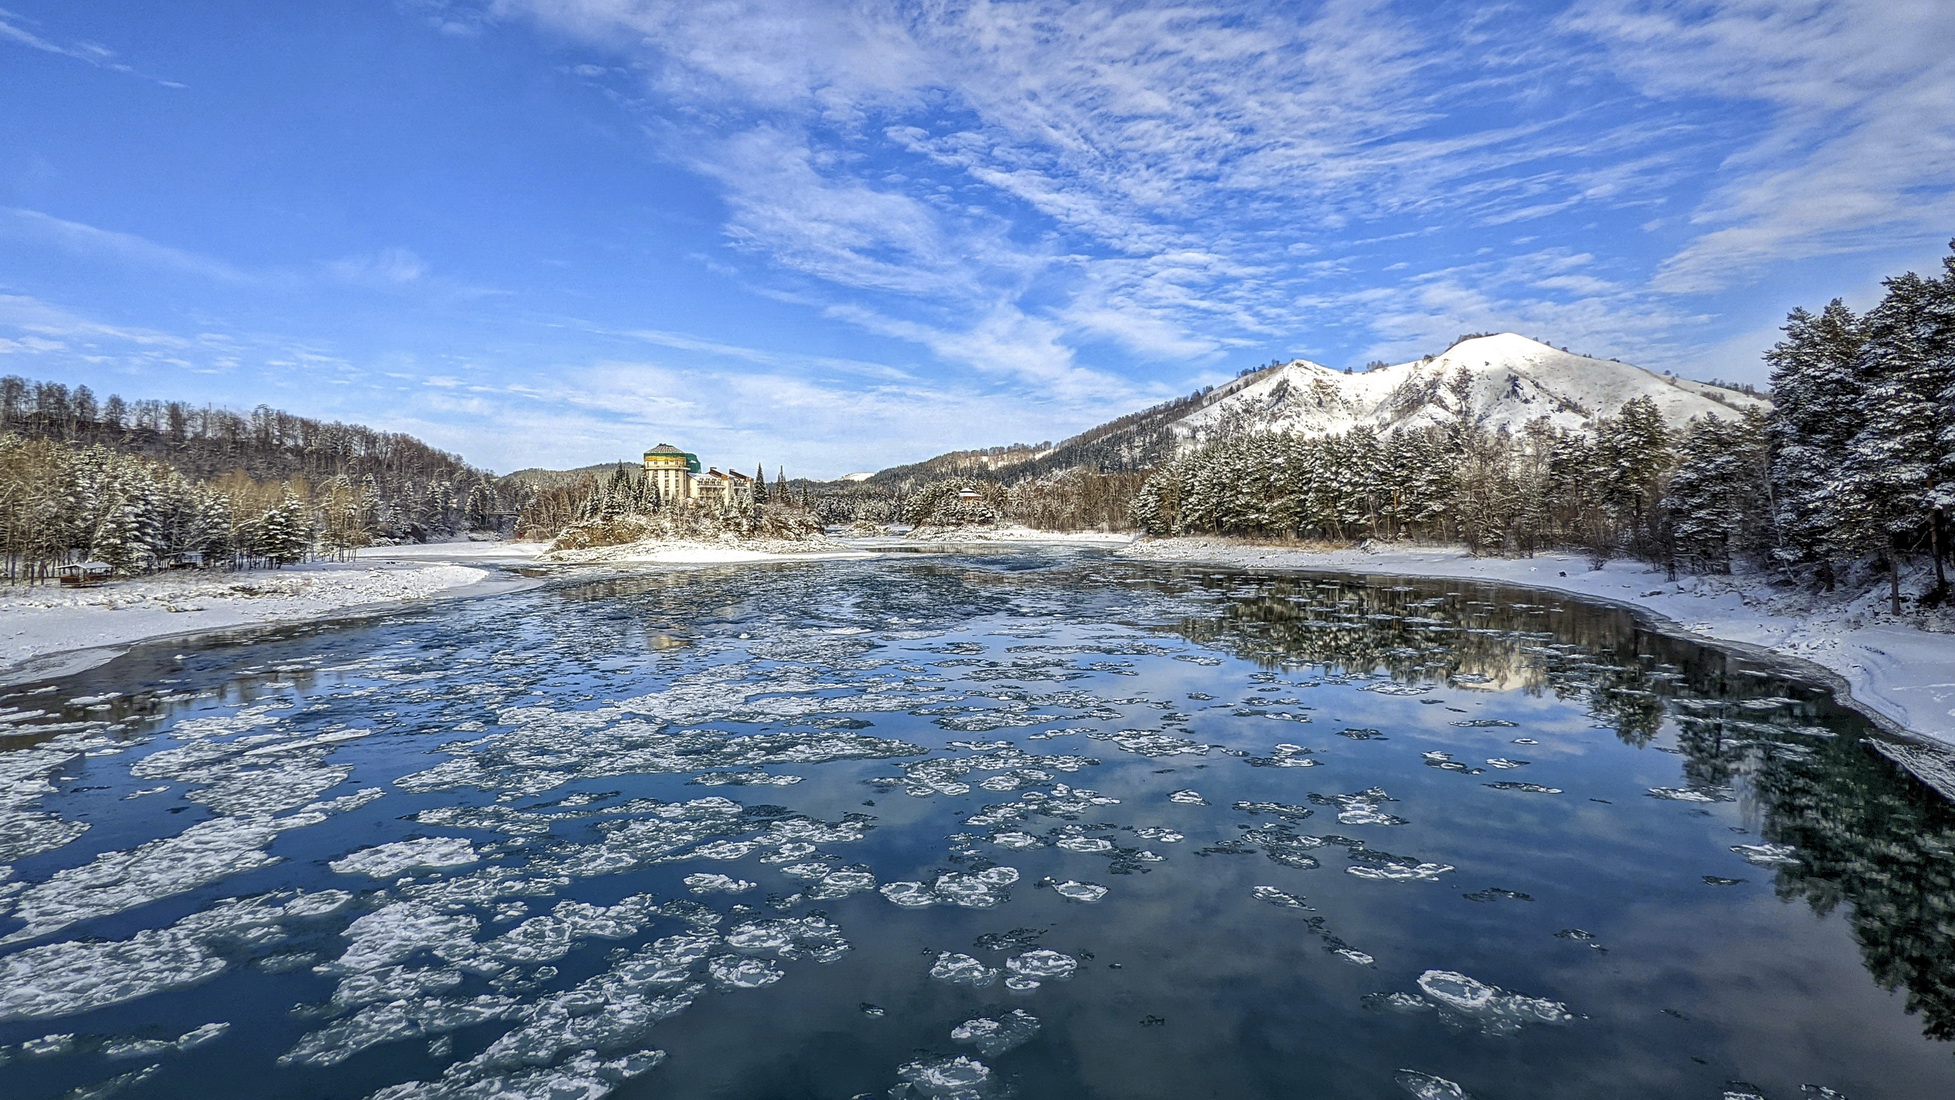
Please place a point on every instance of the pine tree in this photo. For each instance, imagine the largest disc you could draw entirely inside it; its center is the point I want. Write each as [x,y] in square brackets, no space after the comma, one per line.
[1632,452]
[1716,505]
[1816,391]
[759,485]
[1891,467]
[284,532]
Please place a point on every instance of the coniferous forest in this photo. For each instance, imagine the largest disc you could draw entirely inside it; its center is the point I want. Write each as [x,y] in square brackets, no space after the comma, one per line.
[147,484]
[1855,463]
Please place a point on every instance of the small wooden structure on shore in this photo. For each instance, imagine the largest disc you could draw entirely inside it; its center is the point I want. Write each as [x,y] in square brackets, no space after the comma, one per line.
[85,574]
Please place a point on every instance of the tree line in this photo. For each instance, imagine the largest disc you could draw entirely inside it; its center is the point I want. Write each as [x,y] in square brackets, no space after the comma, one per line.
[62,503]
[417,492]
[1855,462]
[141,485]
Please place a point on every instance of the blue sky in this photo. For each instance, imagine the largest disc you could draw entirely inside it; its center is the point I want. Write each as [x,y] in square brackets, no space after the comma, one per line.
[837,236]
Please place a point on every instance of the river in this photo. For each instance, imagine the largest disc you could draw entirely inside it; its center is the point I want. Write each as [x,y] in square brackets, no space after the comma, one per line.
[1036,822]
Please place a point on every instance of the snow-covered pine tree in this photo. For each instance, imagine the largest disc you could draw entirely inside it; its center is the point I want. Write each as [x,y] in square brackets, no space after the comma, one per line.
[1818,408]
[759,484]
[1717,504]
[1892,462]
[118,539]
[1632,452]
[284,532]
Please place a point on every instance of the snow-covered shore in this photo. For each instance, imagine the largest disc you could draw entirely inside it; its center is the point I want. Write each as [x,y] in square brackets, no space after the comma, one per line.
[686,552]
[52,631]
[1900,670]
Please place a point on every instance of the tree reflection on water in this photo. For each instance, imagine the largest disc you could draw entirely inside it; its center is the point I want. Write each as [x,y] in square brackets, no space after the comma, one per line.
[1869,835]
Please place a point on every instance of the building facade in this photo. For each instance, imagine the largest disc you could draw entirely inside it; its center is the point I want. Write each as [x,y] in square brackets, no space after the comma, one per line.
[677,477]
[671,471]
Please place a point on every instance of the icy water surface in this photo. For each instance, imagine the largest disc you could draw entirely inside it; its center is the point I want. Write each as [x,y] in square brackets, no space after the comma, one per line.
[1038,823]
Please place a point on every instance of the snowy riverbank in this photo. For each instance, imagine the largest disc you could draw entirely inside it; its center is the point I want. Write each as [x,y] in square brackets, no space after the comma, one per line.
[52,631]
[1011,532]
[688,552]
[1901,670]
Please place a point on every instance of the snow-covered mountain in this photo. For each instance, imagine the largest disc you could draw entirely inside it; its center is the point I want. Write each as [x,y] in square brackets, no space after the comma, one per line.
[1500,381]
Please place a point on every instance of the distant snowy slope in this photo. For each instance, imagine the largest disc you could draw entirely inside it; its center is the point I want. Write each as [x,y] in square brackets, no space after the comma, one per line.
[1501,381]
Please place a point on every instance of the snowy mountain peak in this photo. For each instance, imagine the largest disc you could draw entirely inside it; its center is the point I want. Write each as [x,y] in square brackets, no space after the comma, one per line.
[1500,381]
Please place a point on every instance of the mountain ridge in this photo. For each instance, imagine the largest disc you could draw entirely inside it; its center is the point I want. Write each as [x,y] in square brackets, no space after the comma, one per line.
[1499,380]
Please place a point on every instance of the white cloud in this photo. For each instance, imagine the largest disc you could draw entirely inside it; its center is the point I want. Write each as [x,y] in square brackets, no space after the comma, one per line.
[125,247]
[92,53]
[1860,148]
[1005,183]
[387,267]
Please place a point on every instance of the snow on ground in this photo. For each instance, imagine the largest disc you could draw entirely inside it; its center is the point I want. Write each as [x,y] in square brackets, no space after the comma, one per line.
[1902,670]
[46,630]
[1012,533]
[680,552]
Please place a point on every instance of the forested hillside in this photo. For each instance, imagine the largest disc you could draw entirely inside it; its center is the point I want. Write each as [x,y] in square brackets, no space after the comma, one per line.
[142,483]
[1854,464]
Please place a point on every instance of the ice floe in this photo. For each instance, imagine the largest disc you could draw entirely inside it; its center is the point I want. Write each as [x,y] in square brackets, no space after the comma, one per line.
[1073,890]
[1768,855]
[398,857]
[956,968]
[1424,1086]
[62,979]
[952,1078]
[1469,1001]
[993,1036]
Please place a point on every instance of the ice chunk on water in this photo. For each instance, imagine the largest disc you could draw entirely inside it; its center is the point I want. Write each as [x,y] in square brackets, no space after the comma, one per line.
[909,895]
[1087,844]
[1424,1086]
[739,972]
[1691,794]
[115,881]
[1504,762]
[789,938]
[397,931]
[549,937]
[1768,855]
[49,1046]
[1152,743]
[61,979]
[993,1037]
[1397,869]
[1277,897]
[392,1022]
[401,856]
[981,890]
[842,883]
[956,968]
[1016,840]
[1188,798]
[1285,756]
[1497,1011]
[1361,807]
[743,779]
[259,791]
[1072,890]
[1043,965]
[953,1078]
[392,983]
[1353,956]
[717,884]
[102,1090]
